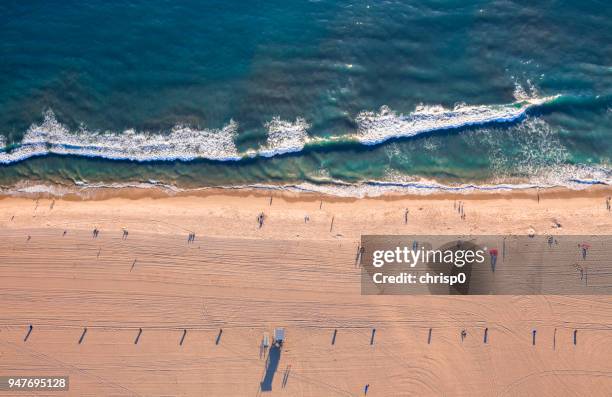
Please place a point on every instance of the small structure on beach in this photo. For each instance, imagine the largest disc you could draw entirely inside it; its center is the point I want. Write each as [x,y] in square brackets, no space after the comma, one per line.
[279,336]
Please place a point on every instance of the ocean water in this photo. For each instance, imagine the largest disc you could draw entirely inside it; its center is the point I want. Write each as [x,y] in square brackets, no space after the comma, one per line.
[340,96]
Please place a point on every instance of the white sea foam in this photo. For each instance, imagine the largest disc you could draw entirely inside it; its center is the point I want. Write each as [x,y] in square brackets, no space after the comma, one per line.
[377,189]
[571,177]
[575,177]
[378,127]
[80,188]
[182,143]
[525,149]
[525,92]
[285,137]
[187,143]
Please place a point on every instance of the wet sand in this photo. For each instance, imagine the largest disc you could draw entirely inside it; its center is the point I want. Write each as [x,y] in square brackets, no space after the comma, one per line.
[246,280]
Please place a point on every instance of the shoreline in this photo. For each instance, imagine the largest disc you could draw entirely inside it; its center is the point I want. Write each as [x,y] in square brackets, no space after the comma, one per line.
[297,192]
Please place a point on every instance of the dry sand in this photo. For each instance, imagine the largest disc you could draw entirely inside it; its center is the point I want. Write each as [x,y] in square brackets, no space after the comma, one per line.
[291,273]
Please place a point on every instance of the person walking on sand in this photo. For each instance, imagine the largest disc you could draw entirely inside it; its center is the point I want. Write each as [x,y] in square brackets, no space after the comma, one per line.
[406,216]
[493,253]
[365,389]
[584,247]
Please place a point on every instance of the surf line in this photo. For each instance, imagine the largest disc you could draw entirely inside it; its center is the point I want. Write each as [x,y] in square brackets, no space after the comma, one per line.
[187,144]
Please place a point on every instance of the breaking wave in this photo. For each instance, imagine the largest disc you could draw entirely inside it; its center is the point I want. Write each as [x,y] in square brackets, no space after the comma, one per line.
[186,143]
[285,137]
[378,127]
[182,143]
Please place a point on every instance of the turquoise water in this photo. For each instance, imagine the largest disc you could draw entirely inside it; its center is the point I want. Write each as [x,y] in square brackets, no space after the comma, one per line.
[290,92]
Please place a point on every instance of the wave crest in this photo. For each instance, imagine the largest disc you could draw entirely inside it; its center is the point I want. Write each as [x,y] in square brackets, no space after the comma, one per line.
[182,143]
[285,136]
[377,127]
[186,143]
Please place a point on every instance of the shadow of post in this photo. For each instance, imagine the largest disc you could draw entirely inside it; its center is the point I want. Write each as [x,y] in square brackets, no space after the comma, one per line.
[271,367]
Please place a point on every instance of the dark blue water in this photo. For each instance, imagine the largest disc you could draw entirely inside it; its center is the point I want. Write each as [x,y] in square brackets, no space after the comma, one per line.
[278,92]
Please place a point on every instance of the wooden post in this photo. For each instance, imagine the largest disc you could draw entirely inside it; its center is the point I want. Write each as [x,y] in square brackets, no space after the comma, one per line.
[219,337]
[83,335]
[138,336]
[30,328]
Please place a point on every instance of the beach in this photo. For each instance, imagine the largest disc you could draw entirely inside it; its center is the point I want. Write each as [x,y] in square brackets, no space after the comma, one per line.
[148,312]
[306,198]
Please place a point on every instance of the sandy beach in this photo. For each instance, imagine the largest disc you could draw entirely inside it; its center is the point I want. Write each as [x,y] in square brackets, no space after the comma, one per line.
[306,198]
[204,306]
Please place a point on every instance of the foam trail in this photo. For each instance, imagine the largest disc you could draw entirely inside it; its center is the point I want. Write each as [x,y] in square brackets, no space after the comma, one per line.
[185,143]
[378,127]
[182,143]
[525,94]
[285,137]
[571,177]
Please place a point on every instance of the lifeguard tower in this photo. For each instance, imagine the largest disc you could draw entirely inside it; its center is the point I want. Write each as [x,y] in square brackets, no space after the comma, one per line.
[279,336]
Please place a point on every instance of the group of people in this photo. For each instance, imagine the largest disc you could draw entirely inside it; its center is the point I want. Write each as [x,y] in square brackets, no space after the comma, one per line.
[191,238]
[460,209]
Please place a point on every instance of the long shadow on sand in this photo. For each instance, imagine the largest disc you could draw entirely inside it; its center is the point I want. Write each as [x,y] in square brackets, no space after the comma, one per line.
[271,367]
